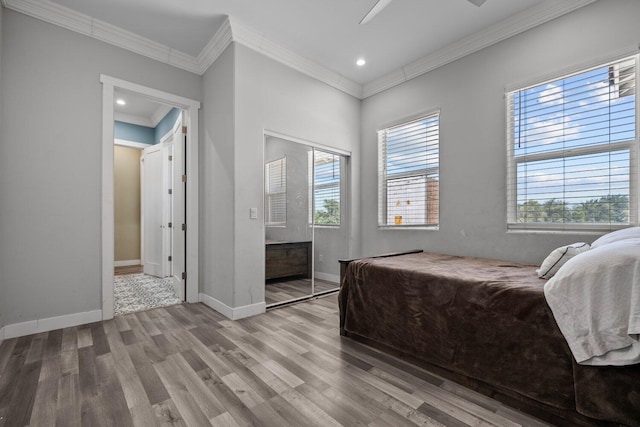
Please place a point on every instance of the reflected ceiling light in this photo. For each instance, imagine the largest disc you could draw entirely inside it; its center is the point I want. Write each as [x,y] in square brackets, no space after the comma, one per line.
[120,102]
[360,62]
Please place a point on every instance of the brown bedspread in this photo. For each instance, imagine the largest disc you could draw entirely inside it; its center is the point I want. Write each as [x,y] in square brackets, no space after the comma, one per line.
[484,319]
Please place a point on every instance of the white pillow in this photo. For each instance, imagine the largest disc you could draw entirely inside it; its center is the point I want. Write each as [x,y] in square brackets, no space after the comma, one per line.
[614,236]
[558,257]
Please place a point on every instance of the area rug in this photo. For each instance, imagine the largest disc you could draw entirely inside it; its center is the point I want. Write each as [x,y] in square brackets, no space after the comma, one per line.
[137,292]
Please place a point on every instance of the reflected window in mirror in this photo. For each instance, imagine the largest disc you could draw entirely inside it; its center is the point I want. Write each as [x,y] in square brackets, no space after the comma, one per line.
[324,188]
[275,192]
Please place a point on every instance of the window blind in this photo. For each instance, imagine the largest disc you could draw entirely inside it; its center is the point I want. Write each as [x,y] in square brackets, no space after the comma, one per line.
[275,181]
[408,188]
[326,187]
[572,150]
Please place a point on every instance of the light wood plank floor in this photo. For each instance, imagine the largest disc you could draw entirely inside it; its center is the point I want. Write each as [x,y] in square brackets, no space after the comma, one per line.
[186,365]
[287,290]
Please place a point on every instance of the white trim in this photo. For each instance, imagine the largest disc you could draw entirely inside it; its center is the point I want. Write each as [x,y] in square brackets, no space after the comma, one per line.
[172,130]
[232,30]
[323,147]
[132,119]
[159,114]
[334,278]
[50,324]
[64,17]
[218,43]
[190,108]
[258,42]
[233,313]
[512,26]
[131,144]
[127,263]
[1,334]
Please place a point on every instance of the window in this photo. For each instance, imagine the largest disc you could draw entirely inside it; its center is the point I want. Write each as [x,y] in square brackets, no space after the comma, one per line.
[572,146]
[275,182]
[325,187]
[409,189]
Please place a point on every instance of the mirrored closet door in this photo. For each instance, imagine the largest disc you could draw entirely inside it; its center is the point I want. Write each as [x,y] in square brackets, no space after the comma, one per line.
[305,220]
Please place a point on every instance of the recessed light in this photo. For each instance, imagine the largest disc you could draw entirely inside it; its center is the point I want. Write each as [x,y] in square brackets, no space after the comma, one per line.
[360,62]
[120,102]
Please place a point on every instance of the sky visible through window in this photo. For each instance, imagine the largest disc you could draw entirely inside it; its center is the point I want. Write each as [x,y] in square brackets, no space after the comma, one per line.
[568,138]
[326,182]
[411,156]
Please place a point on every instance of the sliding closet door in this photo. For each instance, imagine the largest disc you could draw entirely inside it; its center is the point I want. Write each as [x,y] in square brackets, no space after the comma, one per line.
[288,230]
[329,217]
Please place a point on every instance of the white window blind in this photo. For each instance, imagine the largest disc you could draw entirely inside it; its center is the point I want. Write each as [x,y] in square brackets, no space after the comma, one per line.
[572,147]
[325,186]
[275,181]
[408,173]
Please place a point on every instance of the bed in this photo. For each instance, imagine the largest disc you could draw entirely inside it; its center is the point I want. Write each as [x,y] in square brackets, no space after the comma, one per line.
[485,324]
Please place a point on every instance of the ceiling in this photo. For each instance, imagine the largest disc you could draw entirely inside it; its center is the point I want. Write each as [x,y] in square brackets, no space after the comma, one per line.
[320,37]
[138,110]
[325,31]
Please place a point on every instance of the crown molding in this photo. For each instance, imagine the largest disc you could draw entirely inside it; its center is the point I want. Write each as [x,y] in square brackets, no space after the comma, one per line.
[503,30]
[133,119]
[234,31]
[159,114]
[214,48]
[64,17]
[252,39]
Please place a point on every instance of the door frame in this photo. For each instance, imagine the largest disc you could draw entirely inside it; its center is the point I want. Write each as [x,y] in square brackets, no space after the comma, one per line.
[190,108]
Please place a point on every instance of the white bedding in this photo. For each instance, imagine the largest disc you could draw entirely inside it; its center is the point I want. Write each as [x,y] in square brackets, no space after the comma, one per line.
[595,299]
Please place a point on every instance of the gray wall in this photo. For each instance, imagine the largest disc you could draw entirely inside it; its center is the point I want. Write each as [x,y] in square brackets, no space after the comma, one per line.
[50,162]
[3,296]
[470,94]
[274,97]
[217,216]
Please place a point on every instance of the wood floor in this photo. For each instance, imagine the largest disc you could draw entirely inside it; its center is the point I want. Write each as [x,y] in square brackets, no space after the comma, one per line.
[186,365]
[286,290]
[129,269]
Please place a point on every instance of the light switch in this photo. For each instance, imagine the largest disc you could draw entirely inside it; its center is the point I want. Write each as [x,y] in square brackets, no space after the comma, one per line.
[253,213]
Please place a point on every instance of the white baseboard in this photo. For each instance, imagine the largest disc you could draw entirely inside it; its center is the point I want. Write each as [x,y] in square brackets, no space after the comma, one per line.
[50,324]
[127,263]
[328,277]
[233,313]
[1,334]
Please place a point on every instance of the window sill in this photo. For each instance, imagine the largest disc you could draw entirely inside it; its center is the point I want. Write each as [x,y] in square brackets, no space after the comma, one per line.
[564,228]
[409,227]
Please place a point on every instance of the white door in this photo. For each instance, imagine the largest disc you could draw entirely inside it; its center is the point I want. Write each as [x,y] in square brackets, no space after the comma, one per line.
[174,145]
[151,168]
[177,140]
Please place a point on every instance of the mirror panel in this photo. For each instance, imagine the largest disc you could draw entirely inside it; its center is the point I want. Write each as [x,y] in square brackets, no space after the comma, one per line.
[305,220]
[288,236]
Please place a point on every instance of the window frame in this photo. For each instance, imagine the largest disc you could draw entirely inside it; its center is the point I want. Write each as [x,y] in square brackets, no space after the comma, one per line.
[512,161]
[268,194]
[313,187]
[384,178]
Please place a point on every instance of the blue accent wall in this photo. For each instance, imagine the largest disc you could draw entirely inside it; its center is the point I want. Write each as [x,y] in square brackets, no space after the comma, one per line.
[166,124]
[136,133]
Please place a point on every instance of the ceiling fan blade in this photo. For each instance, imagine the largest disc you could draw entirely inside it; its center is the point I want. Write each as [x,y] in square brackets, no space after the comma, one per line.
[477,2]
[377,8]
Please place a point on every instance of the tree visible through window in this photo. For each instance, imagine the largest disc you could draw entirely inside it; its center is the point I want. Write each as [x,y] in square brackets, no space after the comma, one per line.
[409,170]
[326,169]
[572,148]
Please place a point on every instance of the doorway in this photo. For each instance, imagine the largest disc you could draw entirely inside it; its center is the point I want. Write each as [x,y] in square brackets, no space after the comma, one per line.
[148,200]
[188,224]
